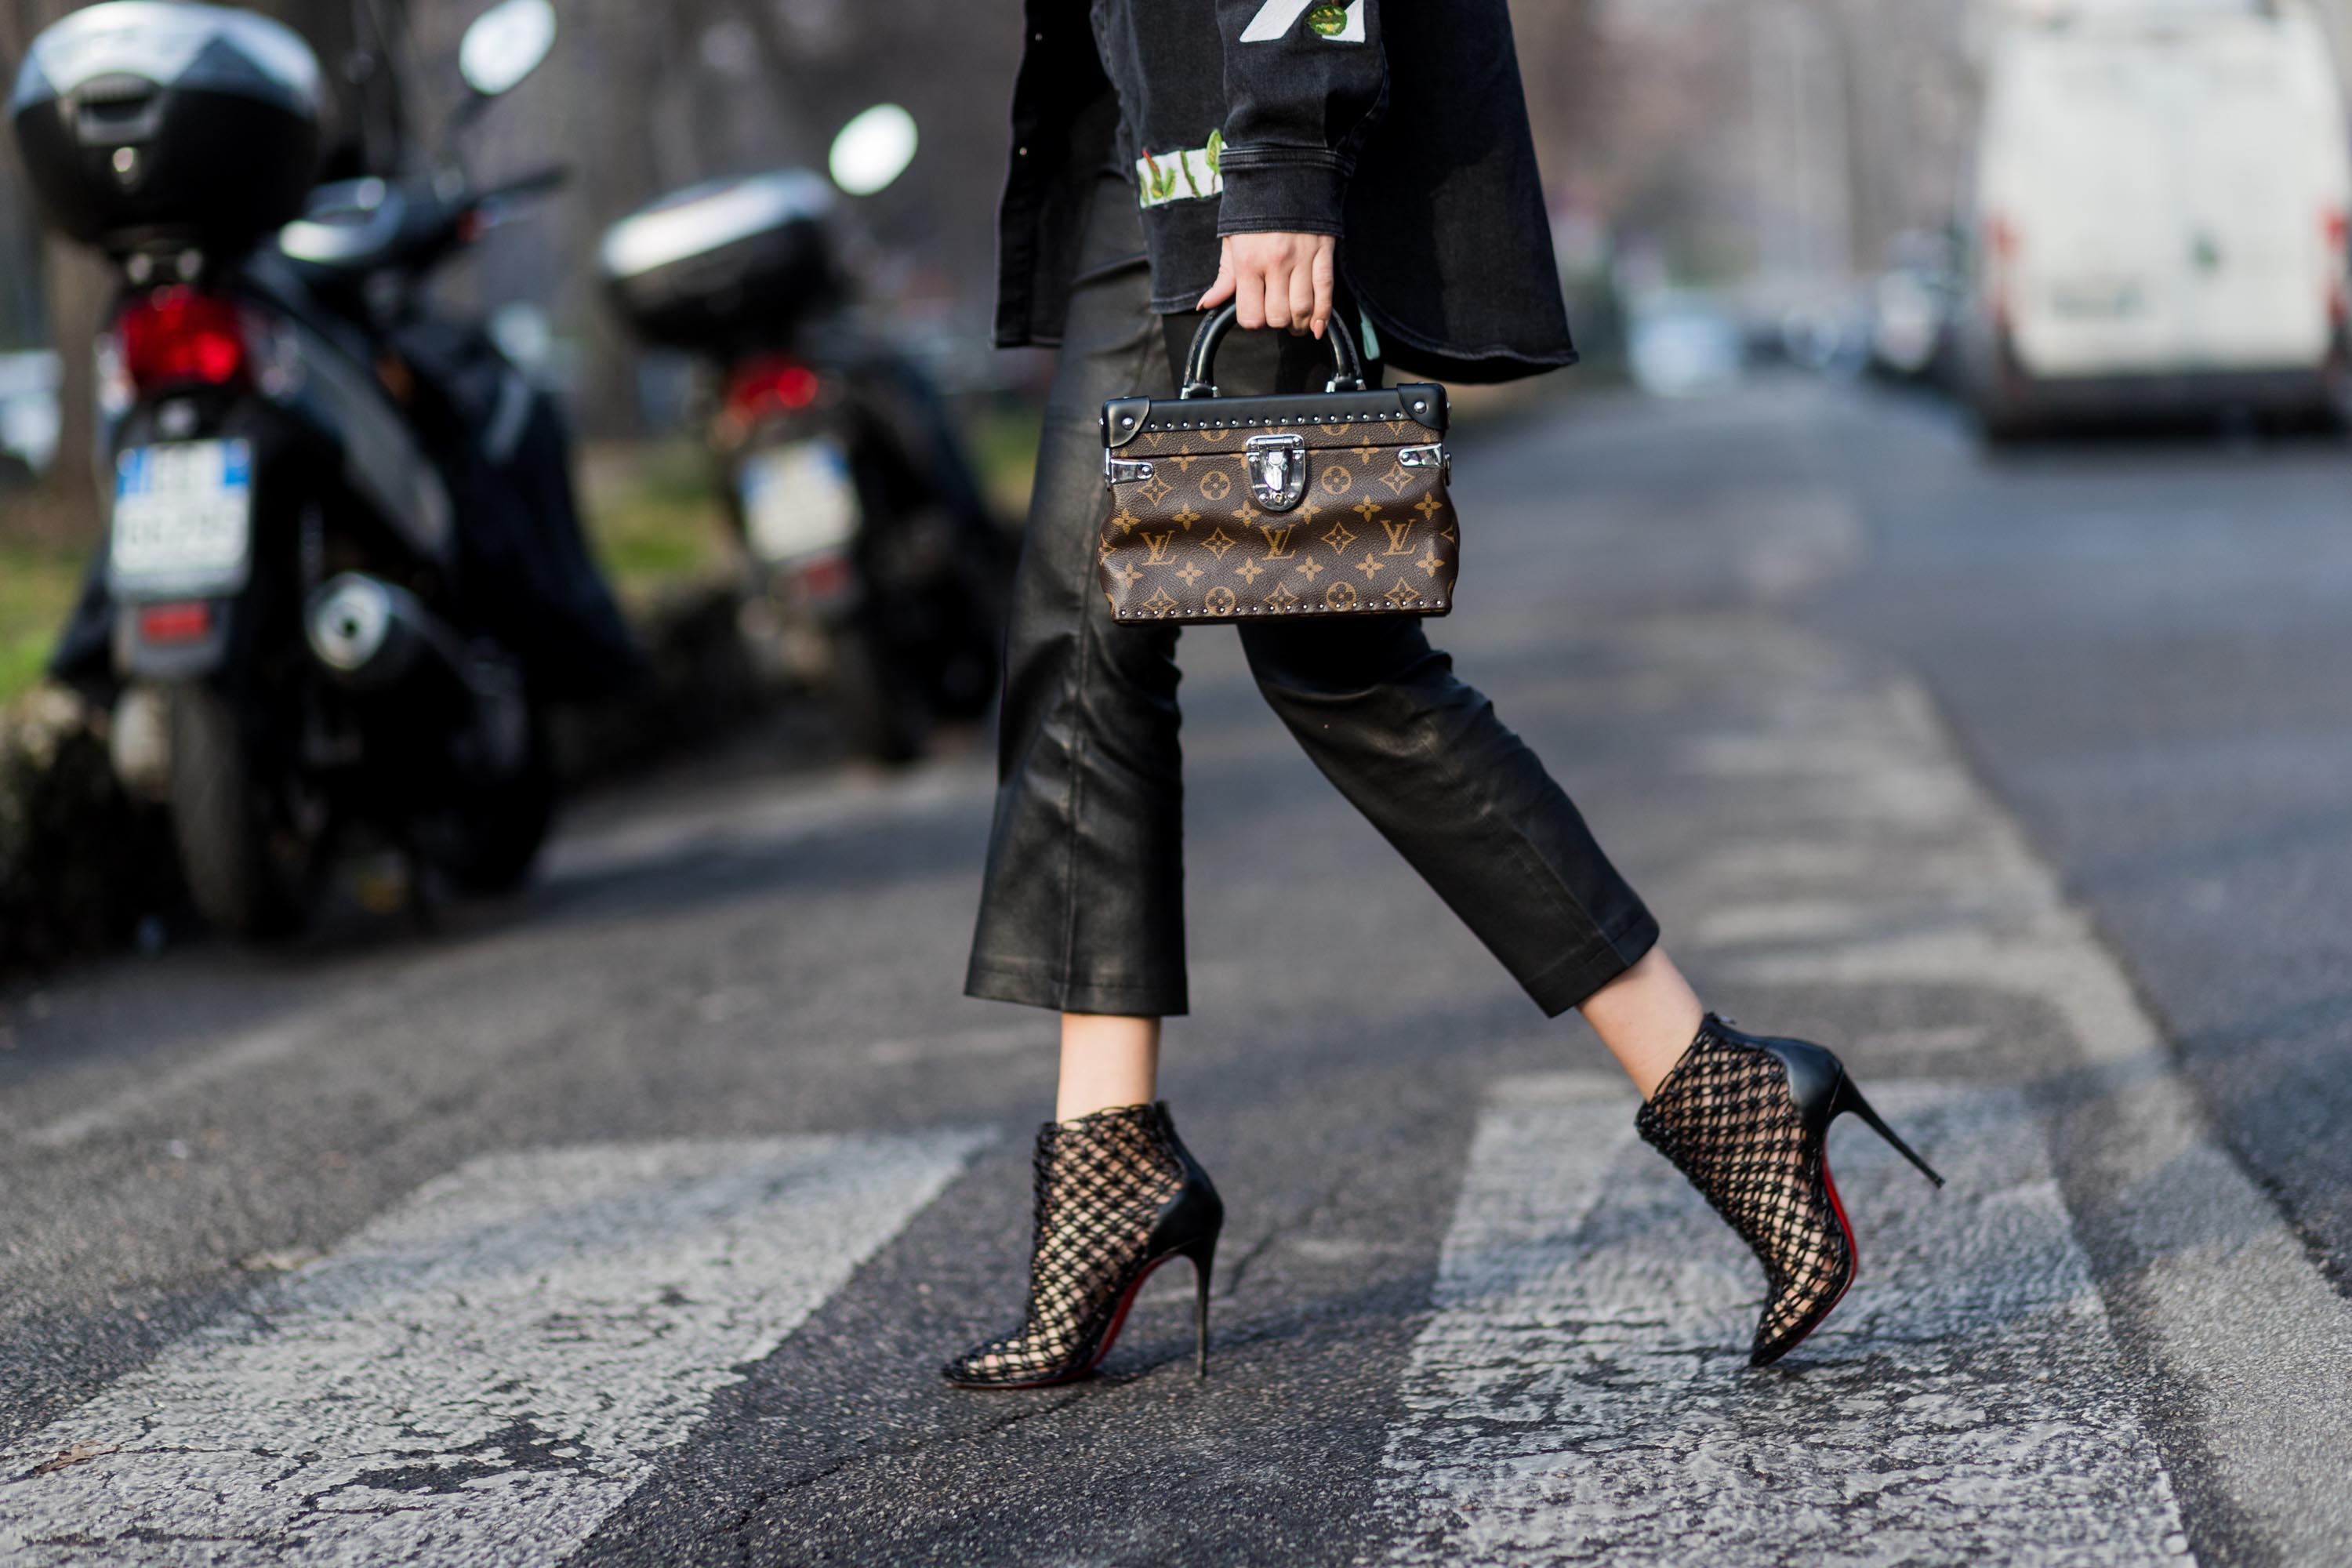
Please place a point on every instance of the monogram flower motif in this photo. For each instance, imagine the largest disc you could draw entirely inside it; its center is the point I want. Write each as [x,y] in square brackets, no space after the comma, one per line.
[1217,544]
[1220,600]
[1248,571]
[1339,538]
[1396,479]
[1216,484]
[1335,480]
[1191,573]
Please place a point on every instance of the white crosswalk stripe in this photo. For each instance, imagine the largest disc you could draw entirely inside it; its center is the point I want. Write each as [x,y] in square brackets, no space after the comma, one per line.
[1581,1395]
[480,1375]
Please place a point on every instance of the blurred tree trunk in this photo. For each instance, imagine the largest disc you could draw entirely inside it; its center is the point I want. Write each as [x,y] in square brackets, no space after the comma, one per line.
[79,285]
[75,284]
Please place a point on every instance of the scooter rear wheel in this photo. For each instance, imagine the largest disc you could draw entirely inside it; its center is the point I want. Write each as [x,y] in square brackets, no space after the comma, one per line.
[250,870]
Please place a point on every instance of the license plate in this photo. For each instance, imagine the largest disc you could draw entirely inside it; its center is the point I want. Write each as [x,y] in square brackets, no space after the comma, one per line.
[798,499]
[183,517]
[2096,297]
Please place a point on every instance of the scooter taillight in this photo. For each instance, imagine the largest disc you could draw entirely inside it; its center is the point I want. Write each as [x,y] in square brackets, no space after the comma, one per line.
[176,336]
[180,622]
[773,382]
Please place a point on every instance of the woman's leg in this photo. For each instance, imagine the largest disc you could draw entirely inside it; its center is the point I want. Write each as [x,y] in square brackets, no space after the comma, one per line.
[1082,904]
[1647,1016]
[1106,1061]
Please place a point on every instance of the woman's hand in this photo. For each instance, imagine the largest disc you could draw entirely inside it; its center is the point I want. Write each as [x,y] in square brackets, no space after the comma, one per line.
[1275,280]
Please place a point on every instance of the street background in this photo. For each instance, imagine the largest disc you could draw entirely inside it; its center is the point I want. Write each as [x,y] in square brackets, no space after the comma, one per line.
[625,1219]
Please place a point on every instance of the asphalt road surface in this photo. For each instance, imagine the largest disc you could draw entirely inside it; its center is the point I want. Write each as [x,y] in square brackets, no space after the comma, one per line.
[624,1223]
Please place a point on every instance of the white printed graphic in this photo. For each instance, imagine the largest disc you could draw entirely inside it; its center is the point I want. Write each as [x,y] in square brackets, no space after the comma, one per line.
[1341,24]
[1582,1395]
[1181,177]
[480,1375]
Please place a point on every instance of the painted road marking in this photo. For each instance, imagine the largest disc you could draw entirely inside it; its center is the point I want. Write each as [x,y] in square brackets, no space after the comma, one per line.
[480,1375]
[1582,1393]
[1874,859]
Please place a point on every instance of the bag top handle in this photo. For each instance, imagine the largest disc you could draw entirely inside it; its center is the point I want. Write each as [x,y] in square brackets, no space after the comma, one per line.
[1347,366]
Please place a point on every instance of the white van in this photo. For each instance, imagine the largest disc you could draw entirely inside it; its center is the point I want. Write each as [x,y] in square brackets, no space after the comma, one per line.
[2159,209]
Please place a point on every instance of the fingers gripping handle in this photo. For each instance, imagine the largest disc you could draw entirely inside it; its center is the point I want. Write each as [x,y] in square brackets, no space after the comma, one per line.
[1346,365]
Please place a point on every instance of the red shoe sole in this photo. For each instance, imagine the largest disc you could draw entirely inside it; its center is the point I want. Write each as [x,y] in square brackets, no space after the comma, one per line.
[1853,1270]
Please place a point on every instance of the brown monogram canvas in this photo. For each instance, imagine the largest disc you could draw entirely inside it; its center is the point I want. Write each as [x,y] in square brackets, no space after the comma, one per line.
[1374,530]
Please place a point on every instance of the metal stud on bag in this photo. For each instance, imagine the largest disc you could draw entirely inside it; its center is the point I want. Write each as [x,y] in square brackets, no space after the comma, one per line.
[1228,509]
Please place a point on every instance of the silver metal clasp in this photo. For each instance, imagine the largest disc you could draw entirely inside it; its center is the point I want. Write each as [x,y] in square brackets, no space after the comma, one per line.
[1277,469]
[1433,457]
[1121,470]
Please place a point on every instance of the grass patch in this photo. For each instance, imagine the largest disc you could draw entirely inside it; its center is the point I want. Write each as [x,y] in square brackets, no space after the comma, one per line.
[1002,433]
[38,581]
[655,517]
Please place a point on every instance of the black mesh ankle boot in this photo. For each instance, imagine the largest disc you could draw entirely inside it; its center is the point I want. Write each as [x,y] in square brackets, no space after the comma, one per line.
[1118,1195]
[1747,1119]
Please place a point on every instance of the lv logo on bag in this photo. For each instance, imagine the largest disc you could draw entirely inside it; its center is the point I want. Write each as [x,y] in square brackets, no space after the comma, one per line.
[1212,516]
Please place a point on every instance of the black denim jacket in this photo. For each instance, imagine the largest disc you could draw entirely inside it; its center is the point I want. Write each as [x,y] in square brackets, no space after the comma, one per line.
[1399,126]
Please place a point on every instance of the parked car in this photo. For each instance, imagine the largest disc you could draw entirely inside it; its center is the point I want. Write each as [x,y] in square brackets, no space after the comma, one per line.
[2159,215]
[28,409]
[1683,344]
[1913,307]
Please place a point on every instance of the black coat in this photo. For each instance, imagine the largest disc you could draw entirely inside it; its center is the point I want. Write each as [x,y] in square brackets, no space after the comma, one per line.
[1401,128]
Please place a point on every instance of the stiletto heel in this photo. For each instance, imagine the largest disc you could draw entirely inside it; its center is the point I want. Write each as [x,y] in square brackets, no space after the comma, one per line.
[1747,1119]
[1849,1098]
[1203,1254]
[1118,1194]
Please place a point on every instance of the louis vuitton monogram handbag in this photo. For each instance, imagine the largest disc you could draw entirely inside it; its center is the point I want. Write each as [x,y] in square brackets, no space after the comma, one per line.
[1227,509]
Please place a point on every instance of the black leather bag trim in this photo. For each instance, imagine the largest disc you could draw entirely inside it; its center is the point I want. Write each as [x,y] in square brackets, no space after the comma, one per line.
[1422,403]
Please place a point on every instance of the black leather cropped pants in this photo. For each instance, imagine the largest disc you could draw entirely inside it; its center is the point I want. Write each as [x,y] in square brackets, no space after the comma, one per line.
[1083,905]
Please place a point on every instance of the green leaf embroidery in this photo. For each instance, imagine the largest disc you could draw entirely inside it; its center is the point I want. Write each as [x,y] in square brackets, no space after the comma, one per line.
[1213,151]
[1184,167]
[1329,21]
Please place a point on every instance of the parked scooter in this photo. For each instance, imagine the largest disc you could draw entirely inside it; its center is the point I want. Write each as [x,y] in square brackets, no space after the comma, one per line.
[876,576]
[343,575]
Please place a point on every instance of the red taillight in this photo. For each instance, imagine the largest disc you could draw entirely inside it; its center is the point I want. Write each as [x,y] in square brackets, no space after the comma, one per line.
[766,384]
[821,577]
[2332,225]
[174,623]
[175,336]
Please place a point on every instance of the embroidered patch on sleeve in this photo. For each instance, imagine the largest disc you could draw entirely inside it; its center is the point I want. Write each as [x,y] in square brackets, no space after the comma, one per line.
[1340,23]
[1181,177]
